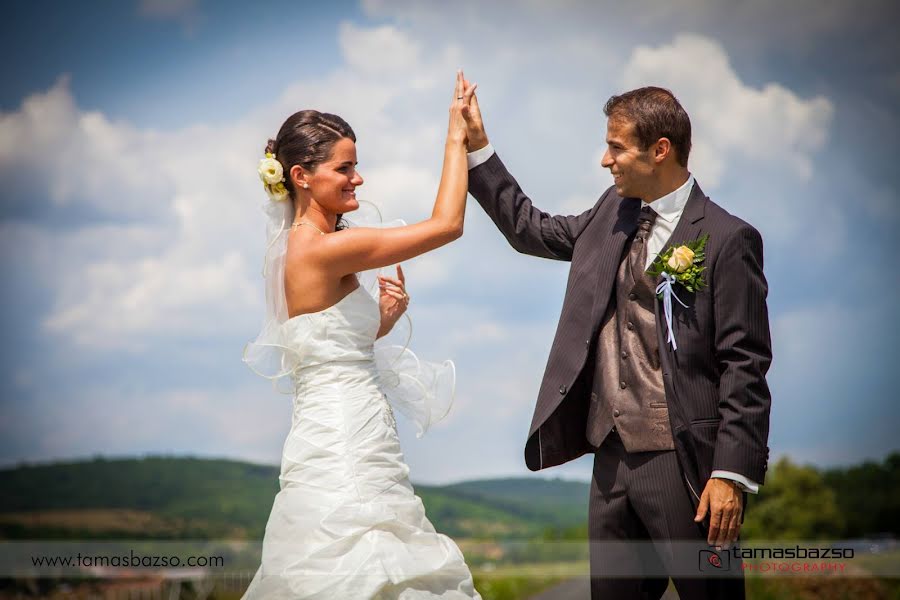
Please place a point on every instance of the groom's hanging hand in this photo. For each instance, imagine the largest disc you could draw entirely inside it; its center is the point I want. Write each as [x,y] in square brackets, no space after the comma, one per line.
[476,137]
[722,499]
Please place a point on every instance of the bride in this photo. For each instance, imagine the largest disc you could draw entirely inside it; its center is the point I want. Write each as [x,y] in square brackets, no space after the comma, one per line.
[346,522]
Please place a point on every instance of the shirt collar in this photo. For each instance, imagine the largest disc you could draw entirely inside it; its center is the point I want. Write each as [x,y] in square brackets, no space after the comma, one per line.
[669,207]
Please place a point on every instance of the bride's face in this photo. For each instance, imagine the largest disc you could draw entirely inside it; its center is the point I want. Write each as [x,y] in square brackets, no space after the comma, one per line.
[332,185]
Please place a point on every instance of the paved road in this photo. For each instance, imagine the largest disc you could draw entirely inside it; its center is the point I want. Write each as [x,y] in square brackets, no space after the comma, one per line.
[573,589]
[580,589]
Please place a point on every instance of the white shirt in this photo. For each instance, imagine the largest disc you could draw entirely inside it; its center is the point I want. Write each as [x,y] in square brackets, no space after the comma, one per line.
[669,209]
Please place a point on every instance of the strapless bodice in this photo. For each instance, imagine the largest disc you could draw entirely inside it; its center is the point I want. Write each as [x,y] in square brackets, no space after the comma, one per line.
[343,332]
[336,348]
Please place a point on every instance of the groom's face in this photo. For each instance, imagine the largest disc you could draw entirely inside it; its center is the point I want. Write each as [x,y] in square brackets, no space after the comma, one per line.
[632,168]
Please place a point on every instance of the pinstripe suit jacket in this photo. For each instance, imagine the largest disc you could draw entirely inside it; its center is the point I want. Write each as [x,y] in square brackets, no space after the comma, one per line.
[715,382]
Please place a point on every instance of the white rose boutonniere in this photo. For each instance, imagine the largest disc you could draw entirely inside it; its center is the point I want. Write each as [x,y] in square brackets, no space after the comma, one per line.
[679,264]
[682,264]
[682,258]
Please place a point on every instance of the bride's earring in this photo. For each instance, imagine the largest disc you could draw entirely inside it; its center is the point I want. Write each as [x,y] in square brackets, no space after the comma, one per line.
[305,186]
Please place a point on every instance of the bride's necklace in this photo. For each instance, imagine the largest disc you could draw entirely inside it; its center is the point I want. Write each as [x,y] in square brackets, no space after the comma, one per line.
[299,223]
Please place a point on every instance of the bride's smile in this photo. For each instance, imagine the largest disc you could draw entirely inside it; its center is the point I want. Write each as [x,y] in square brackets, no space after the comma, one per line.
[332,184]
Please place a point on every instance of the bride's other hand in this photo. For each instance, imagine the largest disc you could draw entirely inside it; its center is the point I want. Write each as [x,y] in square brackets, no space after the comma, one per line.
[393,300]
[462,96]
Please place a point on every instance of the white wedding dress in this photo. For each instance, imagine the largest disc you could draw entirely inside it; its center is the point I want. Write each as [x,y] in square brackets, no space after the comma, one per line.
[346,523]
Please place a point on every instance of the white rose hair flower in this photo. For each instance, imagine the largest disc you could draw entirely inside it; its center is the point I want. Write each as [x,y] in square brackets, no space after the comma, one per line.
[270,170]
[277,192]
[271,173]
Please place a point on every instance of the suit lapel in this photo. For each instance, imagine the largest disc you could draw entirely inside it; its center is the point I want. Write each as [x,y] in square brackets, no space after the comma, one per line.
[623,225]
[690,224]
[690,227]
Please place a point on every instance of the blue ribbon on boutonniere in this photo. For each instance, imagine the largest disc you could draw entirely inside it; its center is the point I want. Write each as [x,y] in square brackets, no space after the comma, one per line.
[665,288]
[679,265]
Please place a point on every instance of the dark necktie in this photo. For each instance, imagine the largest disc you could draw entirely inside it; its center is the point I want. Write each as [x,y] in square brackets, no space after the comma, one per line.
[638,252]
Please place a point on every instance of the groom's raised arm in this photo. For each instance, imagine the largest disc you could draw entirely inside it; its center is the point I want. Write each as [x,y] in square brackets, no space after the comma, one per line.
[527,229]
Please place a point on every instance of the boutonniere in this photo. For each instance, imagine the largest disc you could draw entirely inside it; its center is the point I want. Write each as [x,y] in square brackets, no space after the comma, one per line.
[681,265]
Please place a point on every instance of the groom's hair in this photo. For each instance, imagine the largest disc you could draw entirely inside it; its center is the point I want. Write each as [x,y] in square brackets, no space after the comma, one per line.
[656,113]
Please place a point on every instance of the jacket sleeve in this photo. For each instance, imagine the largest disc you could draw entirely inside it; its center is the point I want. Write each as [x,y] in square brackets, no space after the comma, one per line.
[743,351]
[527,229]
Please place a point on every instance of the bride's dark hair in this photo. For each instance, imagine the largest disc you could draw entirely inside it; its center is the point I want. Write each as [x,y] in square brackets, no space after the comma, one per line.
[307,138]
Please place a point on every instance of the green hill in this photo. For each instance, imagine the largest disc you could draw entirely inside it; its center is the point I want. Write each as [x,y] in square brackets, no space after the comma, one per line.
[558,501]
[188,497]
[183,497]
[180,498]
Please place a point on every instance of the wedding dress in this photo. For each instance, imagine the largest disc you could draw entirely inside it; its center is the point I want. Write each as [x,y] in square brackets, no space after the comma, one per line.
[346,522]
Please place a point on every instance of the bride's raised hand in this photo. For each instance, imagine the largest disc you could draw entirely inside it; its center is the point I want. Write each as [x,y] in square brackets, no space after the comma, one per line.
[358,249]
[462,96]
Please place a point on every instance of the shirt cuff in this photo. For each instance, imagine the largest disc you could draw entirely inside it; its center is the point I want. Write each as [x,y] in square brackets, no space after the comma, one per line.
[479,156]
[748,486]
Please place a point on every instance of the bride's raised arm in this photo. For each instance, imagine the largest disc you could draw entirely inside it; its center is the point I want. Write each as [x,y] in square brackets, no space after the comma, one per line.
[362,248]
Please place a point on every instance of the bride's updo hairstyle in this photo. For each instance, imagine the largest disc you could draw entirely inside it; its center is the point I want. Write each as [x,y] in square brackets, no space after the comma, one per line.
[307,138]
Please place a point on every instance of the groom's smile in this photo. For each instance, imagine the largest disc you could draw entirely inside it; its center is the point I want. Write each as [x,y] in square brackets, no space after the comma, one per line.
[627,163]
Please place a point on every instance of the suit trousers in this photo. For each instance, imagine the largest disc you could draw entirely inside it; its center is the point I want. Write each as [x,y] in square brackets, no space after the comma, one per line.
[638,503]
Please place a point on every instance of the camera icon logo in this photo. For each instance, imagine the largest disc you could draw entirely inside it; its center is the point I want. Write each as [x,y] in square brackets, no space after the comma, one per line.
[710,560]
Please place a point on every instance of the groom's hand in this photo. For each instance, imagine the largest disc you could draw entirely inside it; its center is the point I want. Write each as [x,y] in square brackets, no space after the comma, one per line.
[476,137]
[722,499]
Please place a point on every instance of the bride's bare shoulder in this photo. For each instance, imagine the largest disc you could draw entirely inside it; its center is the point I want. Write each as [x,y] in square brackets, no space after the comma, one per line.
[309,285]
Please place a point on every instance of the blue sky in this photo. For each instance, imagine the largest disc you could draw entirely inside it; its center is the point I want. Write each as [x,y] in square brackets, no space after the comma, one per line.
[132,236]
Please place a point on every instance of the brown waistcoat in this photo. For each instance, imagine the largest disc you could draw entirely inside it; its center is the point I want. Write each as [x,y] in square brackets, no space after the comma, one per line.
[628,392]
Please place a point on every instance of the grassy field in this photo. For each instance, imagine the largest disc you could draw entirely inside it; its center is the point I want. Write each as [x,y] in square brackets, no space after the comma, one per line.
[512,582]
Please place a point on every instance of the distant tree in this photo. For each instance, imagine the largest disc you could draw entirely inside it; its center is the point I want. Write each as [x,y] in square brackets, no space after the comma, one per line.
[868,495]
[794,504]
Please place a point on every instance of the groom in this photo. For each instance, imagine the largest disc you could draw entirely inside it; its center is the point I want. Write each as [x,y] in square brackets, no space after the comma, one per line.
[677,422]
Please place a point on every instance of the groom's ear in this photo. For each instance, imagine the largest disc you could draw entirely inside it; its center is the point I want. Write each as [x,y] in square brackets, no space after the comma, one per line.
[662,150]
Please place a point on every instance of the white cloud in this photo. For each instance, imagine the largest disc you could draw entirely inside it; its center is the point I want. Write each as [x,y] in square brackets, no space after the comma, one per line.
[74,157]
[115,305]
[400,189]
[379,50]
[190,266]
[732,121]
[172,258]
